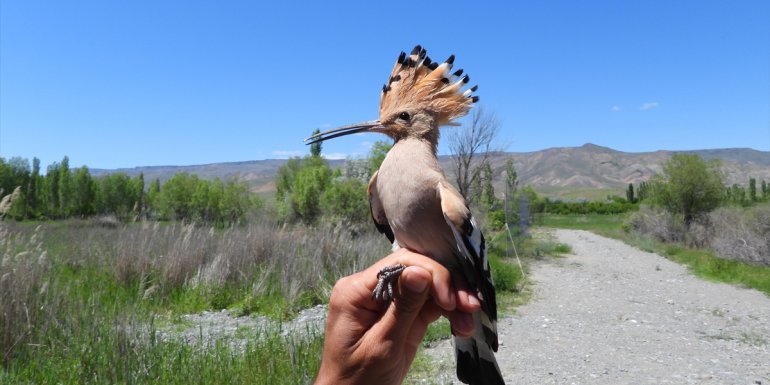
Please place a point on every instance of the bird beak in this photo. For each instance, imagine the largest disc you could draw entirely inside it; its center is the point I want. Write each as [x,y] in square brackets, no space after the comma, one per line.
[370,126]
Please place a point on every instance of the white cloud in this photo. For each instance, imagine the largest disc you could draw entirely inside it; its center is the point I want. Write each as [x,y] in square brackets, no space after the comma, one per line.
[335,155]
[648,106]
[281,154]
[615,108]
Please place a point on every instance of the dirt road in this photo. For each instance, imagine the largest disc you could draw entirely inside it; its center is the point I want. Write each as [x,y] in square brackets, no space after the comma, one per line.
[612,314]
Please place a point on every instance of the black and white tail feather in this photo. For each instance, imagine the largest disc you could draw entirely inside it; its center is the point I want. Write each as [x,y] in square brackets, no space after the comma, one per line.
[476,363]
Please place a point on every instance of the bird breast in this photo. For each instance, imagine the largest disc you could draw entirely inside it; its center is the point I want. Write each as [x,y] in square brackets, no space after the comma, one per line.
[407,183]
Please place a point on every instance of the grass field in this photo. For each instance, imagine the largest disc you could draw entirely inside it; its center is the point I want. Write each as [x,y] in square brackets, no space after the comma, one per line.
[703,263]
[85,303]
[572,193]
[607,225]
[81,302]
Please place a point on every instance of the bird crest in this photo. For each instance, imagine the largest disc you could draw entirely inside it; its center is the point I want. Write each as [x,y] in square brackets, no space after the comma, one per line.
[418,82]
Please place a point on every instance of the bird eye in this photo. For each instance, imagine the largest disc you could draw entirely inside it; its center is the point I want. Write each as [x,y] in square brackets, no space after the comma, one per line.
[404,116]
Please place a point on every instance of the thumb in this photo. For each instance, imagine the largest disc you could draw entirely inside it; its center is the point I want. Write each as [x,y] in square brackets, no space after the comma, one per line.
[414,284]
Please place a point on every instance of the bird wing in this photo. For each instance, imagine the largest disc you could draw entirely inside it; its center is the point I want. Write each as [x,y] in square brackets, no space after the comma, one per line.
[476,363]
[378,212]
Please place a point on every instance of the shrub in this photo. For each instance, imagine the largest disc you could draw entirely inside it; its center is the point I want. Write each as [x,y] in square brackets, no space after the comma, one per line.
[742,234]
[738,233]
[689,186]
[658,224]
[346,199]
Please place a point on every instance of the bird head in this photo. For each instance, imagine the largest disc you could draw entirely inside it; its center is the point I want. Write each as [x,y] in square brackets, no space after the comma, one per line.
[420,96]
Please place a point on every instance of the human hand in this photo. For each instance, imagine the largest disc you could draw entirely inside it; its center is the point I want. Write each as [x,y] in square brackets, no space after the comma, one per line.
[374,343]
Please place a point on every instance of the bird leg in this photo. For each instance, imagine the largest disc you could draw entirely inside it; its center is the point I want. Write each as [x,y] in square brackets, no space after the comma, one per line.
[383,292]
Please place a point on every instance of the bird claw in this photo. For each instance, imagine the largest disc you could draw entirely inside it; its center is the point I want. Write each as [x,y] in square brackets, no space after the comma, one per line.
[383,292]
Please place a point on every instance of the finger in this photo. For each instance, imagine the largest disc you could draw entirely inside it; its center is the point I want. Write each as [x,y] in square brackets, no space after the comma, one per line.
[429,313]
[462,323]
[351,299]
[401,315]
[441,290]
[467,301]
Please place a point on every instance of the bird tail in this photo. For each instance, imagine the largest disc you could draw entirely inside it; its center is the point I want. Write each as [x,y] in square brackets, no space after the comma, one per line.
[476,363]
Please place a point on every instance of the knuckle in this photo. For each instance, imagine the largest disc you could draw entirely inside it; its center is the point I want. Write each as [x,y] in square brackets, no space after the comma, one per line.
[337,297]
[382,351]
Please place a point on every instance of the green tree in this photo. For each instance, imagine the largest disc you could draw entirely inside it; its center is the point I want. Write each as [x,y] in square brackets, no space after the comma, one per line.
[236,201]
[765,192]
[346,198]
[65,188]
[299,186]
[689,186]
[179,197]
[377,154]
[752,189]
[511,177]
[142,196]
[312,180]
[315,148]
[117,194]
[33,196]
[488,199]
[642,191]
[16,173]
[154,200]
[52,191]
[284,185]
[511,186]
[630,193]
[738,195]
[83,193]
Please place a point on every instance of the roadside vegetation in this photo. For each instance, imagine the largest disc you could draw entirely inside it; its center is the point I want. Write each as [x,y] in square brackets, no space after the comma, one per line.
[82,301]
[688,215]
[96,273]
[63,193]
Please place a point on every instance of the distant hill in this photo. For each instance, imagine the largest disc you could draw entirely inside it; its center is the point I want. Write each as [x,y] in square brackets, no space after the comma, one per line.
[597,167]
[552,170]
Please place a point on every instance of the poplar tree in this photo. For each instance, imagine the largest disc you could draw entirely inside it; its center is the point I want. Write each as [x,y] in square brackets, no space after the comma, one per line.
[630,193]
[65,188]
[53,208]
[33,198]
[315,148]
[488,190]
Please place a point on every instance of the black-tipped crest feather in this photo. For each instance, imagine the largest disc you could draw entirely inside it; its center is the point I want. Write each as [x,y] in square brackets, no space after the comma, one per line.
[418,82]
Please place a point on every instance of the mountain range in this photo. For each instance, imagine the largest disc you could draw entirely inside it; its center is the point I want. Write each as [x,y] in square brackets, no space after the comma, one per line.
[555,171]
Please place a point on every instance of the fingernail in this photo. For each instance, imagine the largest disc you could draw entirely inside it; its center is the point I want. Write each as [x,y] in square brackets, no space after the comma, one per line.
[416,284]
[473,300]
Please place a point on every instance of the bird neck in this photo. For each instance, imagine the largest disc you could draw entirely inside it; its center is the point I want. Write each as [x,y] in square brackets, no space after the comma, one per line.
[418,148]
[428,137]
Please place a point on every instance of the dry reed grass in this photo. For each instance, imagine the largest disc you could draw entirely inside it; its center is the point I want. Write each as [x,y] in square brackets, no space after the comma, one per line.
[265,255]
[742,234]
[24,283]
[42,268]
[736,233]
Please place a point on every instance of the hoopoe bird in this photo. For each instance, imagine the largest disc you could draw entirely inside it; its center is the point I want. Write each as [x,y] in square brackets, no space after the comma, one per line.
[417,208]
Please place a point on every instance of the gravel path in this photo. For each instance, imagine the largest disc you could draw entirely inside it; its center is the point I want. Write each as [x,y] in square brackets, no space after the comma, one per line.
[205,328]
[612,314]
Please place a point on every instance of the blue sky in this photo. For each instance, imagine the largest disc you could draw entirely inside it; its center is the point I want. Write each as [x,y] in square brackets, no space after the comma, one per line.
[124,84]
